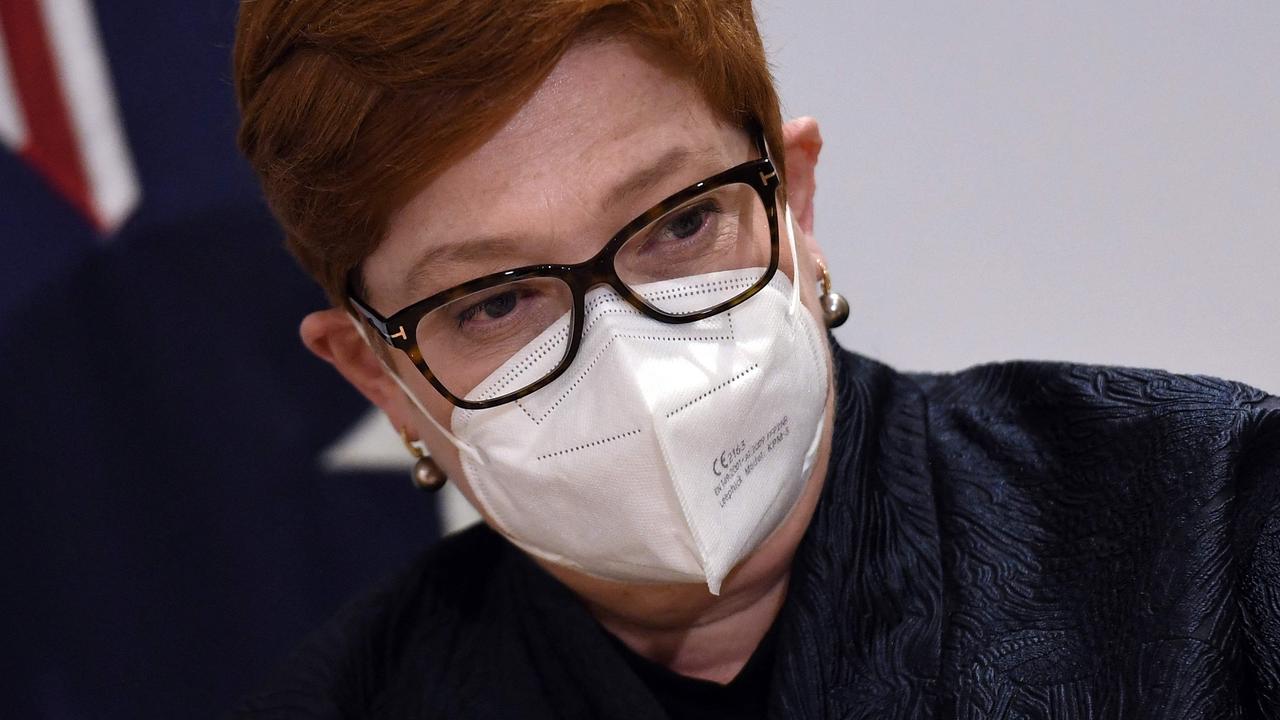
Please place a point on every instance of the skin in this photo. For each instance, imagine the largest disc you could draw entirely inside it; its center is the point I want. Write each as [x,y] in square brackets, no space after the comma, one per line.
[546,176]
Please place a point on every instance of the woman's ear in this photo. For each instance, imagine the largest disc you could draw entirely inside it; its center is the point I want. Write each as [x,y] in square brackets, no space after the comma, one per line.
[801,142]
[332,336]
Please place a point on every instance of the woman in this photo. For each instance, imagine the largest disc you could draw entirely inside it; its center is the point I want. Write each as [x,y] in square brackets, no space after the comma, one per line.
[569,247]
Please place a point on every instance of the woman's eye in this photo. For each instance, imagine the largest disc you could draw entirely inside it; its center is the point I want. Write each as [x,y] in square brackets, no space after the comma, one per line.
[493,307]
[684,231]
[687,223]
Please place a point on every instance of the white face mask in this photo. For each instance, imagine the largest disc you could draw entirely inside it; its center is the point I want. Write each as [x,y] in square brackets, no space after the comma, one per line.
[665,453]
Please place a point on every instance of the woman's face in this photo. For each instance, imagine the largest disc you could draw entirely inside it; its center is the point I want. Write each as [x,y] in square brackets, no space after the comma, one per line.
[607,135]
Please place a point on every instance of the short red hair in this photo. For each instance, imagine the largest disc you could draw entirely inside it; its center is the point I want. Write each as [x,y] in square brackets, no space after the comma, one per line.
[348,109]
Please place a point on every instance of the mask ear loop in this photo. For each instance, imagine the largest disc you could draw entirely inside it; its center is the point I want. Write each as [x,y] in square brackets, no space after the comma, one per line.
[795,264]
[463,447]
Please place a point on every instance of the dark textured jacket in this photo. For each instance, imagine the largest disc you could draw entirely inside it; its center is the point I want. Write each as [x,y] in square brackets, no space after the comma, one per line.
[1020,540]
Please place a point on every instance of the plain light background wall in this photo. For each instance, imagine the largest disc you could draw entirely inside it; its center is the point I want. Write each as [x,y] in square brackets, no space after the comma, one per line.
[1087,181]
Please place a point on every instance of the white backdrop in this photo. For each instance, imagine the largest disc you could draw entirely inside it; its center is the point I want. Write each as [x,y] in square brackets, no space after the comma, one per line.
[1088,181]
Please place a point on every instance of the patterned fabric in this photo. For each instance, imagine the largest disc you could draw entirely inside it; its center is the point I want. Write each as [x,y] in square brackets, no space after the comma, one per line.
[1020,540]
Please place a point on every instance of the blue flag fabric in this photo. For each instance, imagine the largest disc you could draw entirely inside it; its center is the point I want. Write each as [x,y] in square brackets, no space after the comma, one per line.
[167,531]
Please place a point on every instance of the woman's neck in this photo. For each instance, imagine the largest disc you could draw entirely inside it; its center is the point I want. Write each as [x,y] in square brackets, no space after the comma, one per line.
[715,644]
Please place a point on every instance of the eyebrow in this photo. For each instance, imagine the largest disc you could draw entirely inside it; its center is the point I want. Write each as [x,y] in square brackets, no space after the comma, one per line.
[665,165]
[455,254]
[475,250]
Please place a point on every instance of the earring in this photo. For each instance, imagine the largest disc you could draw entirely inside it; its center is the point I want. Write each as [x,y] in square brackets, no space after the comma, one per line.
[426,474]
[835,309]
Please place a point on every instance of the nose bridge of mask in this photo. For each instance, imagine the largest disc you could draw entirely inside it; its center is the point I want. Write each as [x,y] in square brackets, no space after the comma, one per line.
[618,342]
[463,447]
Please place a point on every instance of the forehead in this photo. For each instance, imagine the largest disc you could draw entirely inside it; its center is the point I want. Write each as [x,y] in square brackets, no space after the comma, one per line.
[606,108]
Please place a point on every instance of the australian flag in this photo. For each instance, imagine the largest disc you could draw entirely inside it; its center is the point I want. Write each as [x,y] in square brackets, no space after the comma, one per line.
[187,491]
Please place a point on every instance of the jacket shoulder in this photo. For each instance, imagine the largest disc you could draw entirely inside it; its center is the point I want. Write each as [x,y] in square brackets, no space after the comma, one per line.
[1070,385]
[1095,423]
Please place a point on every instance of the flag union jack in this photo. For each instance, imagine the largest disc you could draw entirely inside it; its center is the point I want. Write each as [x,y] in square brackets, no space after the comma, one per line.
[58,109]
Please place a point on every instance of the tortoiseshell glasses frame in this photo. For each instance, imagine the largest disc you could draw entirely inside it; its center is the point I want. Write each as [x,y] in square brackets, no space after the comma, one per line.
[399,329]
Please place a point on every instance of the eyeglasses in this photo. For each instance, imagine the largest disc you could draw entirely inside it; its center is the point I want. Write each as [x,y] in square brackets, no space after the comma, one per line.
[703,250]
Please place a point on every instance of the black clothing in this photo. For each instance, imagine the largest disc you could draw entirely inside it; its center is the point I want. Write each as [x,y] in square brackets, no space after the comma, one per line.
[1017,540]
[746,697]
